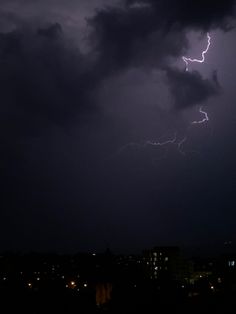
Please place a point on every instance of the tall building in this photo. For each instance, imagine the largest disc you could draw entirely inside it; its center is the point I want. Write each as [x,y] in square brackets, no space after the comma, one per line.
[165,263]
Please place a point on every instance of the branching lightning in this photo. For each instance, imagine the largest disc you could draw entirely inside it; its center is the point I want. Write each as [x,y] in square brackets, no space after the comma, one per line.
[187,60]
[175,141]
[172,141]
[147,143]
[205,119]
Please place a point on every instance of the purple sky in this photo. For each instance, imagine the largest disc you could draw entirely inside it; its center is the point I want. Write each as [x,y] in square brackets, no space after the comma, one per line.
[84,87]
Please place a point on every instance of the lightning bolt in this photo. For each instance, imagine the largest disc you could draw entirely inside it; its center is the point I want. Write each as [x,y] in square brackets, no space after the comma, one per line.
[181,144]
[205,115]
[204,119]
[171,141]
[187,60]
[174,140]
[151,143]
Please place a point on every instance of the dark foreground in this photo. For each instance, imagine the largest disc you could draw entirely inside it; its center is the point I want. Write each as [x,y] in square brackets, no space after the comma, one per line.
[122,301]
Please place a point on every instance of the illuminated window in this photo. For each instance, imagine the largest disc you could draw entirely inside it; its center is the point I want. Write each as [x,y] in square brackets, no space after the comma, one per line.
[166,259]
[231,263]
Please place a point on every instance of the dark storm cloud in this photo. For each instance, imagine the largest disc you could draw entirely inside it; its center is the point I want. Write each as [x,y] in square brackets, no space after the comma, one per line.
[121,33]
[151,34]
[200,14]
[126,37]
[189,89]
[43,76]
[46,83]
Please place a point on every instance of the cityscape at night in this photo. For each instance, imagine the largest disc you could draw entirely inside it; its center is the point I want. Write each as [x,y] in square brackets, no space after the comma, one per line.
[156,279]
[117,154]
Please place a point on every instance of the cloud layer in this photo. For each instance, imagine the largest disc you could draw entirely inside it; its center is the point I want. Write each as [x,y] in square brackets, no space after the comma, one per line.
[59,126]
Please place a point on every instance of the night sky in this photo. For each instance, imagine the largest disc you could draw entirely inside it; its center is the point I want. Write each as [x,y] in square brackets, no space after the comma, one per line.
[86,88]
